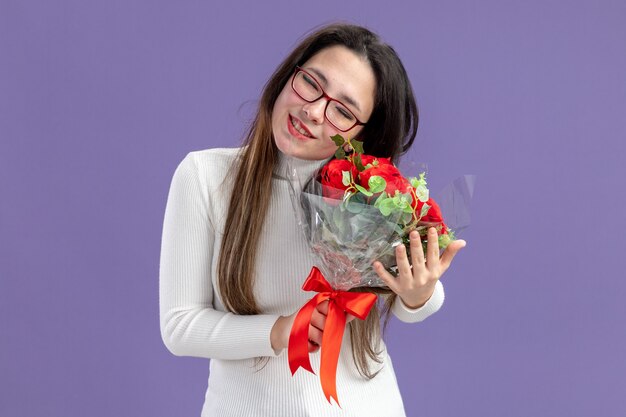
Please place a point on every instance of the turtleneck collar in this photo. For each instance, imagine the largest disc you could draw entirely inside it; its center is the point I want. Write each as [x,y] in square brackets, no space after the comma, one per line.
[289,167]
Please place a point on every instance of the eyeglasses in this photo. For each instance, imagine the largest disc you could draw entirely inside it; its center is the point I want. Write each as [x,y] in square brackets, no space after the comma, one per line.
[309,89]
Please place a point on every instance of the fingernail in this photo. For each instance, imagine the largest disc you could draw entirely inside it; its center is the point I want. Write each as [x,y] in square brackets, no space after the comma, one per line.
[414,234]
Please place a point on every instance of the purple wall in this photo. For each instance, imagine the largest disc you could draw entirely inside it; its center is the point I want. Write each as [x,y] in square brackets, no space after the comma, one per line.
[99,101]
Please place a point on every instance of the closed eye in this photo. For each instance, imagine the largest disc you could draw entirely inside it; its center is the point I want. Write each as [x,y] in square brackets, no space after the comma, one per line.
[310,80]
[345,113]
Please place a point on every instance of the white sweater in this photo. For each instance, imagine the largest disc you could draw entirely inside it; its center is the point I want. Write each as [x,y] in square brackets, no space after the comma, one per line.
[195,323]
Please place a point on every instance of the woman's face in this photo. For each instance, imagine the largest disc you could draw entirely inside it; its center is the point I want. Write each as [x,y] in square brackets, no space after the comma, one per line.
[300,128]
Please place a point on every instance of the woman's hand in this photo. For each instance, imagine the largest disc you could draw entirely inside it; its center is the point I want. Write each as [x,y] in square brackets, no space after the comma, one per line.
[415,284]
[282,328]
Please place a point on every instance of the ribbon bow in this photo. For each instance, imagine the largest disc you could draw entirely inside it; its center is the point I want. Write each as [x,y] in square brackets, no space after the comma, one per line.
[340,303]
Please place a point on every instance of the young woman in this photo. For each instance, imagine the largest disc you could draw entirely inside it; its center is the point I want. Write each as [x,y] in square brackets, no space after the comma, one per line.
[233,258]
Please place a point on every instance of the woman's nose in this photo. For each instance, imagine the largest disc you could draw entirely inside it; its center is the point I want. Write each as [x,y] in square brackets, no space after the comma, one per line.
[315,111]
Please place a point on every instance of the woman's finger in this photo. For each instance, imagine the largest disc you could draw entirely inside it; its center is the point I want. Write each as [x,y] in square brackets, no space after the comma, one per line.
[322,307]
[313,347]
[417,252]
[404,267]
[315,335]
[387,278]
[316,330]
[432,248]
[318,319]
[450,252]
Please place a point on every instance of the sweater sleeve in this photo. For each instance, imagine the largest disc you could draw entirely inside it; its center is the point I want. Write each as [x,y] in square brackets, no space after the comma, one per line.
[190,325]
[409,315]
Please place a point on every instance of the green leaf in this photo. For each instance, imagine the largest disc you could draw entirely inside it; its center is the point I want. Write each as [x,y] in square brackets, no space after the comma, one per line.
[405,197]
[400,205]
[419,182]
[338,219]
[359,198]
[444,241]
[406,217]
[346,178]
[387,206]
[363,190]
[358,162]
[376,184]
[357,146]
[354,207]
[422,193]
[424,211]
[340,153]
[382,197]
[338,139]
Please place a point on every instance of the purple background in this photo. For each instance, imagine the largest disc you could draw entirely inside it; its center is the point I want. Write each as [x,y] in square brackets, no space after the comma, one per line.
[99,102]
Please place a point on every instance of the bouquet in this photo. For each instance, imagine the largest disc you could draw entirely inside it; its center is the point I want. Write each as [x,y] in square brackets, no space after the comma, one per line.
[355,210]
[358,208]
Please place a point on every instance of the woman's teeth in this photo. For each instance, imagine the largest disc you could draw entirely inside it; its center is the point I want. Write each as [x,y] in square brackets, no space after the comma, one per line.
[297,126]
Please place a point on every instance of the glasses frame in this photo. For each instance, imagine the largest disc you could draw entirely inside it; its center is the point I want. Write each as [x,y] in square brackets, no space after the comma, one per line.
[328,98]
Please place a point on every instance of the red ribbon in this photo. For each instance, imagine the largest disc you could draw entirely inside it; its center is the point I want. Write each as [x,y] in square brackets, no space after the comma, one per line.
[340,302]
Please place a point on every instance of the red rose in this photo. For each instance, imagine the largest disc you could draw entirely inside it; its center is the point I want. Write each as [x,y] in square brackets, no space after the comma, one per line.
[433,216]
[391,174]
[369,159]
[331,177]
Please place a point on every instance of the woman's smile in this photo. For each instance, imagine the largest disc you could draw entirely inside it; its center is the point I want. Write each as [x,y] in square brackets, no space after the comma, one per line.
[298,129]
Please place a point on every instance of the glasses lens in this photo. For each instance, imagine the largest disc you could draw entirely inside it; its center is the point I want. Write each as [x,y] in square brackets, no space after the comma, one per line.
[306,86]
[340,116]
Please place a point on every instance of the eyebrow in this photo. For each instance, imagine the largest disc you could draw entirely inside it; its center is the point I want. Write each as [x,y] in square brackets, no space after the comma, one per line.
[342,97]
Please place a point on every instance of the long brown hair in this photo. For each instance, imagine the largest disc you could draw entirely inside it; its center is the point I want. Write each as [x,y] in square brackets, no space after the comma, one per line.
[389,132]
